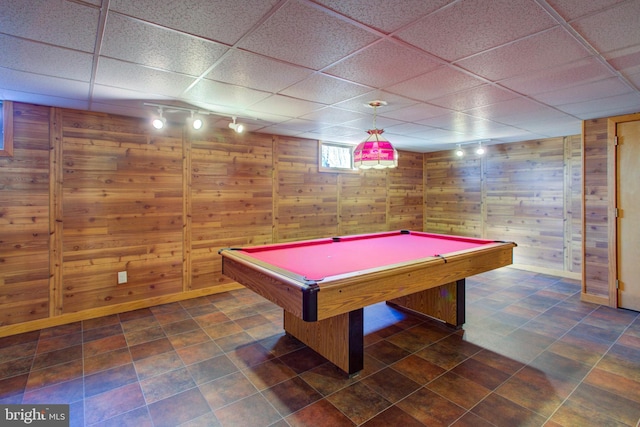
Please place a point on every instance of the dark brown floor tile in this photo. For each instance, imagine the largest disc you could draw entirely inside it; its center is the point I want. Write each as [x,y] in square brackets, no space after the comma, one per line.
[442,355]
[178,315]
[249,355]
[594,333]
[110,379]
[573,414]
[560,366]
[327,378]
[207,420]
[166,308]
[101,332]
[269,373]
[254,410]
[482,374]
[196,336]
[59,342]
[13,386]
[104,345]
[140,324]
[135,314]
[413,339]
[391,384]
[281,344]
[359,402]
[614,383]
[584,354]
[431,409]
[537,391]
[498,361]
[320,413]
[612,405]
[393,416]
[171,411]
[113,403]
[461,391]
[141,336]
[137,418]
[199,352]
[221,330]
[302,360]
[54,374]
[61,393]
[211,319]
[623,361]
[504,413]
[15,367]
[291,395]
[156,365]
[211,369]
[18,351]
[56,357]
[418,369]
[226,390]
[150,348]
[105,361]
[20,339]
[101,322]
[180,327]
[166,384]
[629,340]
[523,346]
[386,352]
[201,310]
[194,302]
[266,330]
[472,420]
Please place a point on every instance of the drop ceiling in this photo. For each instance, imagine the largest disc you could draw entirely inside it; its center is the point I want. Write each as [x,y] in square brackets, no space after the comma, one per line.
[450,72]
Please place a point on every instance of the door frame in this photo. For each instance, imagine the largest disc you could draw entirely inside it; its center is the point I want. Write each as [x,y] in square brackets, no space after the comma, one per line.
[612,189]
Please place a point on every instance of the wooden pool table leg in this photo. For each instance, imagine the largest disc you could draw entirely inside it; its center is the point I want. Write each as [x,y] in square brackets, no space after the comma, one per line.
[339,339]
[446,303]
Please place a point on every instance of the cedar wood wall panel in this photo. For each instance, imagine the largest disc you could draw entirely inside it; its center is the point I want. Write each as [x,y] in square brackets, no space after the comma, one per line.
[160,205]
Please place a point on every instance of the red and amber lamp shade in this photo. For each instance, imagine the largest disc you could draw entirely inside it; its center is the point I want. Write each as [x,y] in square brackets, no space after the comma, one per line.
[375,152]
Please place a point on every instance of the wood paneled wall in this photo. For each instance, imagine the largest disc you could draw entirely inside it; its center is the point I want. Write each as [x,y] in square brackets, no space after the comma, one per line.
[86,195]
[525,192]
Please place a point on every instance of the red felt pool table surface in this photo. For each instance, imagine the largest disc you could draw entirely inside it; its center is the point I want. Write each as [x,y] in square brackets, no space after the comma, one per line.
[316,259]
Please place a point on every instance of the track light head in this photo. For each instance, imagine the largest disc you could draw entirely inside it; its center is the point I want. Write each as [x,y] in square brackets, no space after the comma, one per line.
[238,127]
[480,150]
[159,122]
[459,151]
[196,123]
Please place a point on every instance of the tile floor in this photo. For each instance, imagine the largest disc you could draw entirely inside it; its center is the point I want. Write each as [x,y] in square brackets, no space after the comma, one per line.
[530,354]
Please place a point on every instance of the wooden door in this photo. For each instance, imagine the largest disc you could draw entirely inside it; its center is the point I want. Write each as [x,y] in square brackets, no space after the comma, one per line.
[628,221]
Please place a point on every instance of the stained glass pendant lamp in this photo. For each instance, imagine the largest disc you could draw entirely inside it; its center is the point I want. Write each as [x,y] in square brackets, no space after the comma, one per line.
[376,151]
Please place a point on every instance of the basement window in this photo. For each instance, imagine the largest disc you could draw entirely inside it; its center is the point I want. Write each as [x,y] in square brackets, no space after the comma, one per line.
[334,157]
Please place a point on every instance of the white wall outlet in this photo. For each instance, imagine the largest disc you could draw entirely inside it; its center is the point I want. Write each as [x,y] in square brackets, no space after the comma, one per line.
[122,277]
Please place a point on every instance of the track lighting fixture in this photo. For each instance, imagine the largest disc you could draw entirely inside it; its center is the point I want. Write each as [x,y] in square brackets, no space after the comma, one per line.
[238,127]
[196,122]
[480,150]
[159,122]
[459,151]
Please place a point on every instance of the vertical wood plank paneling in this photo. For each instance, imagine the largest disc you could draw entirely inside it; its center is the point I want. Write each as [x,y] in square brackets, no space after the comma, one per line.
[231,199]
[123,210]
[55,213]
[307,199]
[187,213]
[525,200]
[406,193]
[453,194]
[363,202]
[24,218]
[596,203]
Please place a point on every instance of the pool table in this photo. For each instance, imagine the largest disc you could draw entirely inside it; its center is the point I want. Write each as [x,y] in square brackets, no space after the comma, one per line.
[324,284]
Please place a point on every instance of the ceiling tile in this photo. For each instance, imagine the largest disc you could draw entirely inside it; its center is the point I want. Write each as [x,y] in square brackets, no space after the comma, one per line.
[135,41]
[136,77]
[332,115]
[18,54]
[474,97]
[37,84]
[384,15]
[600,89]
[435,84]
[303,35]
[223,94]
[515,111]
[556,78]
[414,113]
[383,64]
[471,26]
[225,21]
[62,23]
[286,106]
[612,29]
[545,50]
[604,107]
[325,89]
[572,9]
[361,103]
[626,60]
[257,72]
